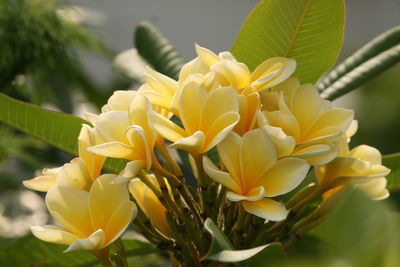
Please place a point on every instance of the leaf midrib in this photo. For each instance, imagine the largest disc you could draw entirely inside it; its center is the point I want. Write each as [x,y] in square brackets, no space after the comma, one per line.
[298,26]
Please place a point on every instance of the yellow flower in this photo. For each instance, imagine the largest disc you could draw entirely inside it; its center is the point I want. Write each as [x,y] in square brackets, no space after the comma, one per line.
[88,220]
[127,135]
[230,72]
[149,203]
[79,173]
[362,166]
[207,117]
[255,174]
[307,123]
[159,89]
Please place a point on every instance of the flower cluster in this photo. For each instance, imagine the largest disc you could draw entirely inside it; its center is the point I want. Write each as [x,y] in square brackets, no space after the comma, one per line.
[250,137]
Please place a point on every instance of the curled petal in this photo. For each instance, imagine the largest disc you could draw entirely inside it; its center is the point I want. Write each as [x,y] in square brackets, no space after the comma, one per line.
[272,72]
[40,183]
[266,208]
[207,56]
[366,153]
[114,149]
[253,195]
[54,234]
[316,154]
[221,177]
[93,242]
[192,144]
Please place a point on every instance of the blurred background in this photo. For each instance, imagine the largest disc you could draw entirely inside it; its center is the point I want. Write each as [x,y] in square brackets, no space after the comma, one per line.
[71,67]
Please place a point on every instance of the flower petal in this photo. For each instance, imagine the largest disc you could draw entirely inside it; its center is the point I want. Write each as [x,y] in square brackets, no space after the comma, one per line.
[119,221]
[40,183]
[206,55]
[101,205]
[366,153]
[93,242]
[74,174]
[114,149]
[54,234]
[285,144]
[307,106]
[131,170]
[272,71]
[284,176]
[316,154]
[257,153]
[266,208]
[219,102]
[191,105]
[253,195]
[167,128]
[192,144]
[112,125]
[221,177]
[228,151]
[69,207]
[220,129]
[338,117]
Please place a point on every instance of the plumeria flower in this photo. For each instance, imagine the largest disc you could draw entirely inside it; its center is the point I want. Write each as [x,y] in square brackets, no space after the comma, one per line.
[88,220]
[207,117]
[79,173]
[230,72]
[361,166]
[255,174]
[149,203]
[127,135]
[306,123]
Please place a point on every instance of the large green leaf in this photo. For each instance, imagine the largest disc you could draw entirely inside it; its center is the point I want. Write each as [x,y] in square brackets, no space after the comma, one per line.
[30,251]
[392,161]
[310,31]
[58,129]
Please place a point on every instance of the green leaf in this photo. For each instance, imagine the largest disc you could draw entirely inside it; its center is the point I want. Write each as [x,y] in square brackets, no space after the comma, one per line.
[310,31]
[219,241]
[157,50]
[392,161]
[362,73]
[373,48]
[57,129]
[30,251]
[266,251]
[361,232]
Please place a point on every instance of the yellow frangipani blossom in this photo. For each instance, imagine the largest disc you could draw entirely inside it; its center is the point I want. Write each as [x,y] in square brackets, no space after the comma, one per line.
[207,117]
[127,135]
[361,166]
[88,220]
[79,173]
[255,174]
[308,125]
[159,89]
[149,203]
[230,72]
